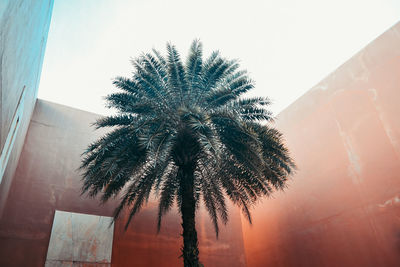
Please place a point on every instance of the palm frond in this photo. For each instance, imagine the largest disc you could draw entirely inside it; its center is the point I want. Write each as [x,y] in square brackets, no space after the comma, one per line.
[167,195]
[139,194]
[176,71]
[175,118]
[118,120]
[194,66]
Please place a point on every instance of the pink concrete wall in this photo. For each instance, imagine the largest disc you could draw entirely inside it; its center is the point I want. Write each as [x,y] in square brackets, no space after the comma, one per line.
[342,208]
[46,179]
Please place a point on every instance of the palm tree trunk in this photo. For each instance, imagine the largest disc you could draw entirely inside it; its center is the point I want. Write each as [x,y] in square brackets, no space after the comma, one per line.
[190,251]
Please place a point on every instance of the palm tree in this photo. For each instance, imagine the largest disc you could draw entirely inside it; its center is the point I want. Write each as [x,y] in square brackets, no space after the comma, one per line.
[185,132]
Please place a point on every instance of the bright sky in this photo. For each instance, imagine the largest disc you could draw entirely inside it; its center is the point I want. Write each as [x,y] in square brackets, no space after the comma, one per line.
[287,46]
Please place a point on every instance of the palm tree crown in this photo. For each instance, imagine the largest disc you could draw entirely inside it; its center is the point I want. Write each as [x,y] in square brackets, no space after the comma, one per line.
[186,132]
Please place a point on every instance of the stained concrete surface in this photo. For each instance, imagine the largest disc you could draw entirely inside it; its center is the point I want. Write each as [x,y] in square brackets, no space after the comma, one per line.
[47,180]
[78,238]
[342,207]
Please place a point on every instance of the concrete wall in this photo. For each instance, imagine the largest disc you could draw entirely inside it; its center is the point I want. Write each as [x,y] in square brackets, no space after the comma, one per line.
[342,208]
[46,180]
[24,26]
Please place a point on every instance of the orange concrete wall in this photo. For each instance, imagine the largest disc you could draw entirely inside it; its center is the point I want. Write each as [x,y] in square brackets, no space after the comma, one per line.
[342,208]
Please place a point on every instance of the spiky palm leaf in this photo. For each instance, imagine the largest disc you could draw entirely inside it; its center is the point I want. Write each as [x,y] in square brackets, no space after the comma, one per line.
[174,115]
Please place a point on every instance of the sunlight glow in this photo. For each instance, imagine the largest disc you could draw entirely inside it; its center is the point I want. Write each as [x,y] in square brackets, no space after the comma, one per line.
[287,46]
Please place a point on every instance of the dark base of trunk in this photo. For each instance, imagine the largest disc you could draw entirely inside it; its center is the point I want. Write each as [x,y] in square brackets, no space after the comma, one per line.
[190,250]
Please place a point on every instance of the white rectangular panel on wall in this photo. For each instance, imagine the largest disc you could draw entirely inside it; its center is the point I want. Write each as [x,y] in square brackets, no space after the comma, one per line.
[79,239]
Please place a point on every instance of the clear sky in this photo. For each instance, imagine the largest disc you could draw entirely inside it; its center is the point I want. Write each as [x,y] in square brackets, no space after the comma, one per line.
[287,46]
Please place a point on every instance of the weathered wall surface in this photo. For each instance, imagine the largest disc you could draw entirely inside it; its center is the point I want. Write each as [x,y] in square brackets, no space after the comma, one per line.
[342,208]
[46,179]
[140,246]
[24,25]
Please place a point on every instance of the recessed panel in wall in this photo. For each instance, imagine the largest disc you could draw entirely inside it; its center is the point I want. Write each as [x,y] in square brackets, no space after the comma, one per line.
[80,239]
